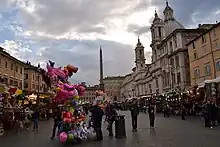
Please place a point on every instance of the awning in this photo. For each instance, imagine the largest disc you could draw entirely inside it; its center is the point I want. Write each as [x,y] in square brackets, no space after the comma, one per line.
[201,85]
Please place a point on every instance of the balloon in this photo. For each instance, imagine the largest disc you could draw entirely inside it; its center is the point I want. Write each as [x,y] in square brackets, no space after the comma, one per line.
[51,63]
[63,137]
[72,68]
[76,97]
[58,89]
[68,87]
[70,137]
[18,92]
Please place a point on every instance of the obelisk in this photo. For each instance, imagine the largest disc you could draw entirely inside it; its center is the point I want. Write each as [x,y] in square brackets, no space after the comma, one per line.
[101,84]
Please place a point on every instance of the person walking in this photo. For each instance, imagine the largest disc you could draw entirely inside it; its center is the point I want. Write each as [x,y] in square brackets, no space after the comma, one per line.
[110,117]
[57,120]
[152,112]
[134,115]
[36,119]
[183,112]
[97,114]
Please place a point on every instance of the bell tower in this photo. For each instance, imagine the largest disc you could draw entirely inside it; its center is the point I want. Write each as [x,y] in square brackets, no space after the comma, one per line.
[157,34]
[139,56]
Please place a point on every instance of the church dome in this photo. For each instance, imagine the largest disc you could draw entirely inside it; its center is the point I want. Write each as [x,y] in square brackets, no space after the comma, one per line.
[170,22]
[172,25]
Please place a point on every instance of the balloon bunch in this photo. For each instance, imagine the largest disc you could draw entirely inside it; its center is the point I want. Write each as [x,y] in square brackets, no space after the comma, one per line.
[73,127]
[75,134]
[67,91]
[59,74]
[69,95]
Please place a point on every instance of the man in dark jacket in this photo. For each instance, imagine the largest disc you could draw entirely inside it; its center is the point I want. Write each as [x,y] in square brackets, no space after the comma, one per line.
[110,117]
[151,112]
[97,114]
[57,120]
[134,115]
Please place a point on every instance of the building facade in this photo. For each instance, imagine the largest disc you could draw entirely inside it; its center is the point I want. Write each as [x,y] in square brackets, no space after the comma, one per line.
[89,95]
[204,56]
[11,70]
[33,80]
[169,69]
[112,86]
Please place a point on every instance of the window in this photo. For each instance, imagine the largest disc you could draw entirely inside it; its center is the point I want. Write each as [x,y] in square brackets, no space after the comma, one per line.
[172,61]
[15,83]
[203,38]
[196,72]
[157,85]
[11,82]
[16,68]
[217,45]
[193,45]
[26,76]
[195,55]
[171,46]
[12,66]
[173,78]
[25,85]
[33,77]
[0,61]
[6,80]
[177,60]
[153,34]
[160,33]
[175,42]
[207,69]
[178,77]
[140,52]
[218,65]
[21,70]
[214,33]
[6,64]
[33,86]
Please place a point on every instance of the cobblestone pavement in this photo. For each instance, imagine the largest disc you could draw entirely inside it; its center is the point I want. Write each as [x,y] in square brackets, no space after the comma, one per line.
[169,132]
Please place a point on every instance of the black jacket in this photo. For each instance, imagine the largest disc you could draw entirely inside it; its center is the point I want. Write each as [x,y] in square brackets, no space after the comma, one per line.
[97,114]
[58,117]
[134,109]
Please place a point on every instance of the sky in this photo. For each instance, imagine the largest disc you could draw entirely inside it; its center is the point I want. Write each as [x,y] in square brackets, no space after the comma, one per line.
[71,31]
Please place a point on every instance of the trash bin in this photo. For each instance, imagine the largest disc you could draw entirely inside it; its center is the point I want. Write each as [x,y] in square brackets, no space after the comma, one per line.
[120,131]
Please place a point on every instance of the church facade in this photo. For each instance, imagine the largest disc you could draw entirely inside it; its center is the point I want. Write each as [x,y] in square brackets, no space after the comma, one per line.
[169,69]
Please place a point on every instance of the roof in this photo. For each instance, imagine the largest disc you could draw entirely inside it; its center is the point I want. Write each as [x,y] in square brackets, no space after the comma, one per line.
[196,38]
[180,30]
[95,87]
[31,67]
[114,78]
[2,50]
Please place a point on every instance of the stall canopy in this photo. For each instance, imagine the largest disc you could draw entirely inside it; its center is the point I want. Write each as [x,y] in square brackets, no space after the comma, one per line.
[216,80]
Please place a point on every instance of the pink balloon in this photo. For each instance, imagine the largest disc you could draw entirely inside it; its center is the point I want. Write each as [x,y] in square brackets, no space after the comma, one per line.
[62,94]
[63,137]
[68,87]
[73,93]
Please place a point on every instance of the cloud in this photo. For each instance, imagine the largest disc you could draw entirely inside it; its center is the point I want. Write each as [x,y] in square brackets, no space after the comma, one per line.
[116,58]
[138,30]
[68,31]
